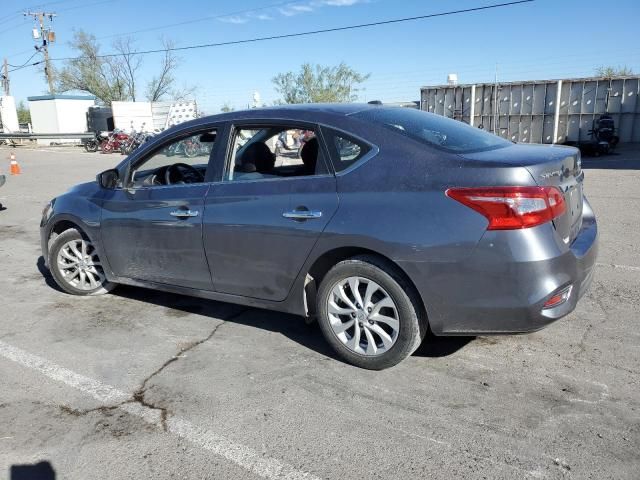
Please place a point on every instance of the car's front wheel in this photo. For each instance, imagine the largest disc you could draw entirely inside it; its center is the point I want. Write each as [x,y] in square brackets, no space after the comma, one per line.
[75,265]
[369,313]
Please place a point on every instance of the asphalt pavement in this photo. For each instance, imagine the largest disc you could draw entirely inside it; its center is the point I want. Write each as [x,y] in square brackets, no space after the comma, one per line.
[141,384]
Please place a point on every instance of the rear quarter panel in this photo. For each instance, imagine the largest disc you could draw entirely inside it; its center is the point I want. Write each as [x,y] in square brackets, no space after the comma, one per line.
[395,205]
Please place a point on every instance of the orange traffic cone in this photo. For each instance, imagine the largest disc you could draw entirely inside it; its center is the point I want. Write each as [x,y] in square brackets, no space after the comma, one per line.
[14,168]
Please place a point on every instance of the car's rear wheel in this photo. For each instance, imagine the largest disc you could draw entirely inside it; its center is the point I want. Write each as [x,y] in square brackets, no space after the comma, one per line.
[369,313]
[75,265]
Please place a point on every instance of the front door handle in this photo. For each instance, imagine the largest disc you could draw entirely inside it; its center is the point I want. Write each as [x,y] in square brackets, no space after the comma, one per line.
[184,213]
[302,214]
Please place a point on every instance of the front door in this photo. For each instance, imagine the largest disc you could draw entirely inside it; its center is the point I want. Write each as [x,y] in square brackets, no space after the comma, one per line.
[152,227]
[262,221]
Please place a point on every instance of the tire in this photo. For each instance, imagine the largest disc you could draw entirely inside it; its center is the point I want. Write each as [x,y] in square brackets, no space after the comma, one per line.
[91,280]
[386,285]
[106,147]
[91,146]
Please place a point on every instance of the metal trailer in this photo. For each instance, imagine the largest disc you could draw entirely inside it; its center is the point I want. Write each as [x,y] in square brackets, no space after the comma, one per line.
[545,111]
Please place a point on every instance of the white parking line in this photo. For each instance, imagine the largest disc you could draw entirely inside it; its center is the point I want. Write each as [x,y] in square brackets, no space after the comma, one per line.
[629,268]
[241,455]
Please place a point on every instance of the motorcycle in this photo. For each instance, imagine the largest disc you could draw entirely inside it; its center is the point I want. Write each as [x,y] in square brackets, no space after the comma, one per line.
[603,139]
[93,144]
[114,141]
[189,147]
[134,141]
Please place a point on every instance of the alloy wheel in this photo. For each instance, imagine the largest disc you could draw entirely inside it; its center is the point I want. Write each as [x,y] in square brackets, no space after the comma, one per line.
[80,266]
[363,316]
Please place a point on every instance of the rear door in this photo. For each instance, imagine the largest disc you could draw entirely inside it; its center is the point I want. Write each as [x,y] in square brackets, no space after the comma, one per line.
[260,226]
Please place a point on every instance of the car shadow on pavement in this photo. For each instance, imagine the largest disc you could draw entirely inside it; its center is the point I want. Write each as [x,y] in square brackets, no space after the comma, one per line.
[37,471]
[291,326]
[46,274]
[626,157]
[610,163]
[434,346]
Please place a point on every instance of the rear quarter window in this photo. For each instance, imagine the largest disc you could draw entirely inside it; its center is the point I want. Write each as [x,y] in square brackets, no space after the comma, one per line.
[435,130]
[345,150]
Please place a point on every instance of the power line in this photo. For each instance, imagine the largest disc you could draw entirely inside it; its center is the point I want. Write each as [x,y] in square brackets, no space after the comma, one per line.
[312,32]
[17,67]
[9,17]
[27,66]
[204,19]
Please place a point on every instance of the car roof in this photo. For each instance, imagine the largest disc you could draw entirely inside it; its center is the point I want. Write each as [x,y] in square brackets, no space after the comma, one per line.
[334,114]
[303,111]
[335,108]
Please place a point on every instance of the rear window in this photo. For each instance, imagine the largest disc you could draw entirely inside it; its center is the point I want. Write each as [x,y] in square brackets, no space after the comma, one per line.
[438,131]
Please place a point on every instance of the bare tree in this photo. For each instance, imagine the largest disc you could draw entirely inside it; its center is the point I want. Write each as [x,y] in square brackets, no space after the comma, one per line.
[161,85]
[131,63]
[115,77]
[89,72]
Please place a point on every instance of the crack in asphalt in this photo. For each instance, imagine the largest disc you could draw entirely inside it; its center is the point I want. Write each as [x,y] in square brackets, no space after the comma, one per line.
[138,396]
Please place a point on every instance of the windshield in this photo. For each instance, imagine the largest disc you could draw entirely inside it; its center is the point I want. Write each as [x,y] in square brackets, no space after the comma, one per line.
[436,130]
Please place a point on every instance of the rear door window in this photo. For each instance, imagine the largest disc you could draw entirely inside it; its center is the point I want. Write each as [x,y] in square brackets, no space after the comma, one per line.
[275,152]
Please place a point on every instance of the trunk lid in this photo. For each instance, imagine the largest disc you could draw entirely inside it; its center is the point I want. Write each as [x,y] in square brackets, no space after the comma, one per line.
[549,165]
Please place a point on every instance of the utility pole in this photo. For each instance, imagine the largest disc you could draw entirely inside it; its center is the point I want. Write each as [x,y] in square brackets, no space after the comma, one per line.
[47,35]
[5,78]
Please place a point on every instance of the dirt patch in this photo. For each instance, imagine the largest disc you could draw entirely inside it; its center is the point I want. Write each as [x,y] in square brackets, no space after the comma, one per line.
[12,232]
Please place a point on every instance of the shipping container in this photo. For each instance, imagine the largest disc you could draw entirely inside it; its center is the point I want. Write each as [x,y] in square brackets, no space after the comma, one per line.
[541,111]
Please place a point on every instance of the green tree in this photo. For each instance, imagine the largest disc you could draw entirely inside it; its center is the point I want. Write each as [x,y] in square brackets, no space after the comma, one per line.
[24,115]
[317,84]
[226,108]
[608,72]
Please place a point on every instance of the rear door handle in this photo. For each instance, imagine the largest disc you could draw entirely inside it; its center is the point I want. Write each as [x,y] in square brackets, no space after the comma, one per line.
[302,214]
[184,213]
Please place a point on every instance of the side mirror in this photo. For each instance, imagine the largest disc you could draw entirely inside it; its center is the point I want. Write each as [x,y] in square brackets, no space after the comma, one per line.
[108,179]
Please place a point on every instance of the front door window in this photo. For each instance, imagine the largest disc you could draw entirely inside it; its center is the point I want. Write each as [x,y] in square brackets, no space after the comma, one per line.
[181,161]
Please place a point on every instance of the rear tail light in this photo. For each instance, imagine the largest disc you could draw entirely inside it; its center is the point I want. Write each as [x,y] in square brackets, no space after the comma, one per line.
[558,298]
[510,208]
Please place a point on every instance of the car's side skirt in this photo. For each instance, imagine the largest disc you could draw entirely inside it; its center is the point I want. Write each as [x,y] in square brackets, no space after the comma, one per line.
[287,306]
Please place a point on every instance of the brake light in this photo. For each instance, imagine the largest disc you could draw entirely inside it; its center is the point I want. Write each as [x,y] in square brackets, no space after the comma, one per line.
[510,208]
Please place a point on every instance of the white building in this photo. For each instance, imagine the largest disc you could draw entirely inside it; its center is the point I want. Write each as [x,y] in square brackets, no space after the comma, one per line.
[60,114]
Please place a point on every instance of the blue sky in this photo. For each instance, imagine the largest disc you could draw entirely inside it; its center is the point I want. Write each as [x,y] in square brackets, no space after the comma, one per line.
[539,40]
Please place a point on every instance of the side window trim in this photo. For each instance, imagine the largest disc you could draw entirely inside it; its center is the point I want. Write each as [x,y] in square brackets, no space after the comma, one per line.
[329,132]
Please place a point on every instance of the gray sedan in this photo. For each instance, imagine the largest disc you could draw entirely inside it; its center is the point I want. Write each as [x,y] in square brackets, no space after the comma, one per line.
[381,223]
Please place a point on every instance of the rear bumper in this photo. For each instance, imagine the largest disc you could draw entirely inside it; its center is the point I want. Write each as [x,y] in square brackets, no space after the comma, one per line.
[502,287]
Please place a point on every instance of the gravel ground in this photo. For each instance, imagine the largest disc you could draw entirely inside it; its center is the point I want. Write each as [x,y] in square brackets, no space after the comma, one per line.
[140,384]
